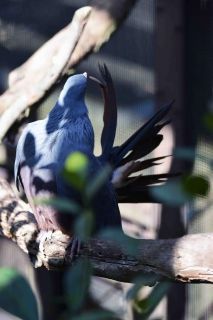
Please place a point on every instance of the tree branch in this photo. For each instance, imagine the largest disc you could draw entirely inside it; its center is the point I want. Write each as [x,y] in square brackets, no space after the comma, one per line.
[30,82]
[185,259]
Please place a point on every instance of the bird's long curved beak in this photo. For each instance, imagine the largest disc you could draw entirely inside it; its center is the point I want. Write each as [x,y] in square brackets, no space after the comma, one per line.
[97,81]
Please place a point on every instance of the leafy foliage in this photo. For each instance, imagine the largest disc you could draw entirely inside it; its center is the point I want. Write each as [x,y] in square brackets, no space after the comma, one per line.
[147,305]
[76,284]
[143,280]
[208,121]
[129,245]
[75,170]
[196,185]
[97,182]
[183,190]
[16,295]
[96,315]
[84,225]
[65,205]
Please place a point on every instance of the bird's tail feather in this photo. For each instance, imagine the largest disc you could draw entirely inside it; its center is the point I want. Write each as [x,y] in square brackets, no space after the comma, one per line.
[125,160]
[143,141]
[110,113]
[138,189]
[130,195]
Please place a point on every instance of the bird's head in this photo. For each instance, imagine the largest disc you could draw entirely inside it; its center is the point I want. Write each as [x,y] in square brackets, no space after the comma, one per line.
[74,89]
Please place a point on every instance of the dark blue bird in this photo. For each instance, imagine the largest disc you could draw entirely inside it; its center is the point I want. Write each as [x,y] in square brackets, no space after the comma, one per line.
[42,150]
[45,144]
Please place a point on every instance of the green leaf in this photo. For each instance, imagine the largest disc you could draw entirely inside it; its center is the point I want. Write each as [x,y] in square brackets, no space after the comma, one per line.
[96,315]
[146,306]
[76,170]
[61,204]
[190,154]
[185,153]
[76,283]
[208,120]
[16,296]
[98,182]
[196,185]
[84,225]
[183,190]
[128,244]
[171,193]
[144,280]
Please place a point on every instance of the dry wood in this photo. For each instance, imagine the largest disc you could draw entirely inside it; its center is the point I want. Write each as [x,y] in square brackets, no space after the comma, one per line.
[30,82]
[186,259]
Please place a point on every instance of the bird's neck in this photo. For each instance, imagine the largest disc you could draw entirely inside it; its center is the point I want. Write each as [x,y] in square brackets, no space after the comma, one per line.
[70,112]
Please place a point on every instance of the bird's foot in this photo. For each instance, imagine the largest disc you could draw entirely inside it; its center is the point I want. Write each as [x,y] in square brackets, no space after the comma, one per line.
[74,248]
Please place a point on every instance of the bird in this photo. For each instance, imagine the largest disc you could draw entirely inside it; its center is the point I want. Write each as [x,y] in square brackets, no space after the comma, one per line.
[41,153]
[44,146]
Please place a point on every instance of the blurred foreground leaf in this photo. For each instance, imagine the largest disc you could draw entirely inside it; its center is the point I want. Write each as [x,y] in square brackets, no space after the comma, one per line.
[16,296]
[76,170]
[97,182]
[141,281]
[208,120]
[183,190]
[146,306]
[76,283]
[190,154]
[61,204]
[84,225]
[196,185]
[171,193]
[96,315]
[128,244]
[185,153]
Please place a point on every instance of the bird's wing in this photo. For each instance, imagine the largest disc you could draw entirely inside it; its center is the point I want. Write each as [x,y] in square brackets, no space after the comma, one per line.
[17,176]
[36,182]
[20,158]
[43,187]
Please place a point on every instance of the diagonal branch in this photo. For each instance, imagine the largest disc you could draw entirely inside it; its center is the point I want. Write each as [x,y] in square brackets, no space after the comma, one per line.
[185,259]
[30,82]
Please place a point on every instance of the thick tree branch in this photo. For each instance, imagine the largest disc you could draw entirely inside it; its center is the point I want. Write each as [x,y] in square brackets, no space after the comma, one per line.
[187,259]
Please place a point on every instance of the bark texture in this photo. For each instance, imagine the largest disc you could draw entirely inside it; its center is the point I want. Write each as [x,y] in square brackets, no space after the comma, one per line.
[185,259]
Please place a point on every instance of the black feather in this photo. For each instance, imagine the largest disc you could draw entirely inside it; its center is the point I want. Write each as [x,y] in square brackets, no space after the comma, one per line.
[110,113]
[138,189]
[143,141]
[145,164]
